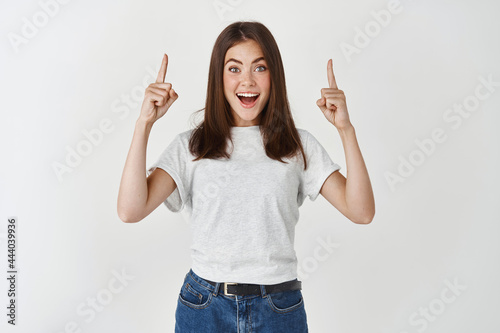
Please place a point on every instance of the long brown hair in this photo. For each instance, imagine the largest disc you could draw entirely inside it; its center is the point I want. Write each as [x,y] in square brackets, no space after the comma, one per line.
[280,136]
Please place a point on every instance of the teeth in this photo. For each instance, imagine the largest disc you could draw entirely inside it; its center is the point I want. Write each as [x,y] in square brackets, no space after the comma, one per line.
[247,94]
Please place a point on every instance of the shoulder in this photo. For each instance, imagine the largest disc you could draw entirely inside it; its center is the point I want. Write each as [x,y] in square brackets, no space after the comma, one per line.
[186,133]
[179,143]
[304,135]
[183,137]
[309,141]
[303,132]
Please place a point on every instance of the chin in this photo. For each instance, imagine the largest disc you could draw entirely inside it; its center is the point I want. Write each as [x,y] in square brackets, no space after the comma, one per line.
[247,115]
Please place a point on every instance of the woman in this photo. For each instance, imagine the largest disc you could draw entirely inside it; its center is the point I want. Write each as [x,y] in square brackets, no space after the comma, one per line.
[242,173]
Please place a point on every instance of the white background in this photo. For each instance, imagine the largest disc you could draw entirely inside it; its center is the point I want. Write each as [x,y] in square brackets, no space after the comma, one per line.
[438,227]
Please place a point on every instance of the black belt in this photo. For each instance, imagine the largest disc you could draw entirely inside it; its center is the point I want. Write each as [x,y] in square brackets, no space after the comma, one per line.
[242,289]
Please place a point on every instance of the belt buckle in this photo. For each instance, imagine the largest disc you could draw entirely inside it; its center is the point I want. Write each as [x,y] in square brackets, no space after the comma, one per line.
[225,288]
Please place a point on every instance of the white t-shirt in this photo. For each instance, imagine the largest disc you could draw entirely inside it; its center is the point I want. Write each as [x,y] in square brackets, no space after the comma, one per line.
[243,210]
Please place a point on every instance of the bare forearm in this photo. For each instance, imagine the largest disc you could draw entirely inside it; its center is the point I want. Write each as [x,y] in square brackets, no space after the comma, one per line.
[133,192]
[358,193]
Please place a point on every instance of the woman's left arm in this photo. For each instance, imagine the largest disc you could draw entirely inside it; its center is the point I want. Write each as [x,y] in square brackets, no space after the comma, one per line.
[352,196]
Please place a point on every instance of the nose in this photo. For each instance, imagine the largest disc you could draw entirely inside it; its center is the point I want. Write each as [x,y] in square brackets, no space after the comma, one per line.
[247,78]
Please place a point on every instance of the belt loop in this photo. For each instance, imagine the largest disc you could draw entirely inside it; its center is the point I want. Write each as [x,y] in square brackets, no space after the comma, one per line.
[216,289]
[263,291]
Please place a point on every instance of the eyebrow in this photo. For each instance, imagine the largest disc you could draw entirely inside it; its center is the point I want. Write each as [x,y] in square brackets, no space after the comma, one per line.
[235,60]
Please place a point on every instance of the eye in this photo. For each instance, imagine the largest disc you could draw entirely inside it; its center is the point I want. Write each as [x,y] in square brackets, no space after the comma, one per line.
[263,68]
[231,69]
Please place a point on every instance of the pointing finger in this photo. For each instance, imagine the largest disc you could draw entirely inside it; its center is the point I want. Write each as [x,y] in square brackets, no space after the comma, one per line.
[331,76]
[163,70]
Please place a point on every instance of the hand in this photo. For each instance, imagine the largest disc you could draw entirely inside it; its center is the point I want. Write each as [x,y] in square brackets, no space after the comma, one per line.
[159,96]
[332,102]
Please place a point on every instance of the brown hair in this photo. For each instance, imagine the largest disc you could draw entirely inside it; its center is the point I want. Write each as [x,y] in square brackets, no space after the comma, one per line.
[280,137]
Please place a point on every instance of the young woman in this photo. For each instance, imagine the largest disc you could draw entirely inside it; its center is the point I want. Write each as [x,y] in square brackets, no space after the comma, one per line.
[243,173]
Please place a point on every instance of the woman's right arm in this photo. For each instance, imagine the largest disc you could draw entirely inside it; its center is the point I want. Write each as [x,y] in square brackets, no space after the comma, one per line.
[138,196]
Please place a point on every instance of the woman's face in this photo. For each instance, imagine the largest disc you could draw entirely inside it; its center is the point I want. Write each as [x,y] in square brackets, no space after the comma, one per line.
[245,71]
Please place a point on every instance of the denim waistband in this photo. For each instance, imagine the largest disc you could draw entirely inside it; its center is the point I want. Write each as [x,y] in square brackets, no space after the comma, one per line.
[213,288]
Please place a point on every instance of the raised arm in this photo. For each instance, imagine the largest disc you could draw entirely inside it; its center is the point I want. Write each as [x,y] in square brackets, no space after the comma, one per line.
[138,196]
[352,196]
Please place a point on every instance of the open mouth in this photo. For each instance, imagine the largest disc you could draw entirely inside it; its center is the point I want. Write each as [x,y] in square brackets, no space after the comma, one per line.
[248,100]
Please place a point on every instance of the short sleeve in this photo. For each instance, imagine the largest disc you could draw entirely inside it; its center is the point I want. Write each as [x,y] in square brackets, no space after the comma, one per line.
[319,167]
[173,160]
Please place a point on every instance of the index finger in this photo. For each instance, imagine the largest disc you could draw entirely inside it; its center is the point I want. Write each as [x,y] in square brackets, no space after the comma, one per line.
[331,76]
[163,70]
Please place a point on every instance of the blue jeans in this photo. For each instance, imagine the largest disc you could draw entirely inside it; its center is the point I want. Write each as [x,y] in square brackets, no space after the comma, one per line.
[203,308]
